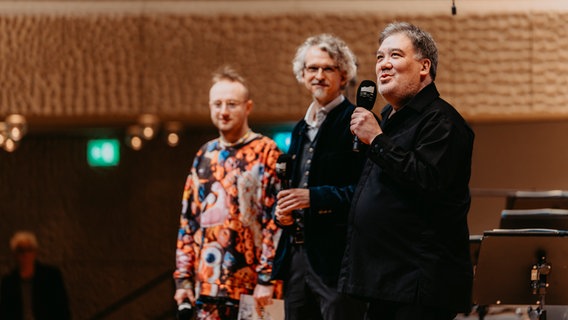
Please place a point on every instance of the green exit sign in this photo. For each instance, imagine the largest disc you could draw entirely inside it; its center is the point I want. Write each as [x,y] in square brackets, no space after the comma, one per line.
[103,152]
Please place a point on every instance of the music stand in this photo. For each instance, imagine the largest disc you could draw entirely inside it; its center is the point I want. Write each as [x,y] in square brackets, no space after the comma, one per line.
[534,218]
[506,274]
[474,245]
[557,199]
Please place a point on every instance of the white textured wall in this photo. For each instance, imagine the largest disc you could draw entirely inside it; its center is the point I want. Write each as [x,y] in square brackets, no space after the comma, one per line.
[499,60]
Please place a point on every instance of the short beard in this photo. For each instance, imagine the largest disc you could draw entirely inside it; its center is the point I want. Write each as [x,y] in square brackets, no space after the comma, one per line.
[319,93]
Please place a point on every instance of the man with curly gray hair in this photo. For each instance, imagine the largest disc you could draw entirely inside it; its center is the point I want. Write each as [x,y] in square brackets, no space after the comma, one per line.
[324,172]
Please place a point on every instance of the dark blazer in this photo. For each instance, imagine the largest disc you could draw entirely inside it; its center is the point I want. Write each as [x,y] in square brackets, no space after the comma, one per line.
[48,295]
[334,172]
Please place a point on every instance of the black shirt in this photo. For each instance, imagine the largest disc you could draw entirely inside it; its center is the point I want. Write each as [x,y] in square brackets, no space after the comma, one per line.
[408,239]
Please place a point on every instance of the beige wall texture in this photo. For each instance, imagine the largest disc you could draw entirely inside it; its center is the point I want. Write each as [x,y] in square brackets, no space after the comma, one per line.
[72,65]
[94,61]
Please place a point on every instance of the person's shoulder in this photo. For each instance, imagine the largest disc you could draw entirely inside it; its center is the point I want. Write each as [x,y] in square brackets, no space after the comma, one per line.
[342,109]
[298,126]
[342,112]
[432,101]
[12,274]
[264,142]
[267,140]
[208,146]
[347,104]
[447,108]
[47,268]
[49,275]
[444,111]
[212,142]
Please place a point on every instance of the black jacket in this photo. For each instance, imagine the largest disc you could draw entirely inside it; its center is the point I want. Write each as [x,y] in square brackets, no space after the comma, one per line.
[334,172]
[48,295]
[408,240]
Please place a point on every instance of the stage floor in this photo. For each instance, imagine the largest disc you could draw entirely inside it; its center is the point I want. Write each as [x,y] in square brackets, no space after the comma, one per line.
[518,312]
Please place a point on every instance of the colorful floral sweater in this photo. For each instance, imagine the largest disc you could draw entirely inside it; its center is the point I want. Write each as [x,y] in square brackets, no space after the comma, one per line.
[227,237]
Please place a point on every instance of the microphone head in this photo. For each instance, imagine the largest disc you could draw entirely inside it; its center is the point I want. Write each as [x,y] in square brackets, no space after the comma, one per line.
[367,94]
[185,310]
[282,166]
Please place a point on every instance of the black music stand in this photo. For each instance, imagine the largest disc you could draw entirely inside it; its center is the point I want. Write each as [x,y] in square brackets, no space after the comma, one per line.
[474,245]
[523,267]
[557,199]
[534,218]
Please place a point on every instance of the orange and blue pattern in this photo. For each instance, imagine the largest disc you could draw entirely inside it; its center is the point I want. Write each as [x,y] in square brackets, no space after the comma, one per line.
[227,237]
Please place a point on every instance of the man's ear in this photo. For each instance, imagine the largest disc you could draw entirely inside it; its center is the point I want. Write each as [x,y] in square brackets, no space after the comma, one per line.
[425,69]
[343,79]
[248,105]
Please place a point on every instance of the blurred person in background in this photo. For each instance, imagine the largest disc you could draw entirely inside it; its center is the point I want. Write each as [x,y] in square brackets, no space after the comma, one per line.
[32,290]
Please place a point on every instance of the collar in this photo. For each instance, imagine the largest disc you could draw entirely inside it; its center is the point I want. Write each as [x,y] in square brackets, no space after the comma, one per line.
[315,107]
[248,136]
[420,101]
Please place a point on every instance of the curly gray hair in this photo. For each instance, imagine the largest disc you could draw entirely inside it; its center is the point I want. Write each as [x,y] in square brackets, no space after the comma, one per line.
[335,47]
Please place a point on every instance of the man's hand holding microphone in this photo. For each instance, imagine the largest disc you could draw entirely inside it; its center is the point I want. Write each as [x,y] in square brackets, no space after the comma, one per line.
[363,122]
[185,300]
[288,199]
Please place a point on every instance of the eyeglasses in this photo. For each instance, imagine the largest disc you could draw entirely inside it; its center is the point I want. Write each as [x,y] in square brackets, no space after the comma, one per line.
[316,69]
[231,104]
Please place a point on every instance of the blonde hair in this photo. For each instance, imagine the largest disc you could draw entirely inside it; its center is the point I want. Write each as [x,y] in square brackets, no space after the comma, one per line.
[23,238]
[228,73]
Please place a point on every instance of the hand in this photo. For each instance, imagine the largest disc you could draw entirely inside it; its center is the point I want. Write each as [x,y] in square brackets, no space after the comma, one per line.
[288,201]
[182,294]
[262,296]
[364,125]
[284,218]
[293,199]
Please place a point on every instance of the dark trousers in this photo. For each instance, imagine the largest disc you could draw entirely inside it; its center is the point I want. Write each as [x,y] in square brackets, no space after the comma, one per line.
[306,297]
[385,310]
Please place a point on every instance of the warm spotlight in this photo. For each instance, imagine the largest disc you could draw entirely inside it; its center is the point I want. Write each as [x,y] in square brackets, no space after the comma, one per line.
[136,143]
[173,139]
[134,137]
[10,145]
[3,133]
[150,124]
[172,131]
[16,126]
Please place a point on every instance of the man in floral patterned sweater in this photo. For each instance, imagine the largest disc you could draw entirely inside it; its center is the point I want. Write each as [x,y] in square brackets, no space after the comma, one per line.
[226,240]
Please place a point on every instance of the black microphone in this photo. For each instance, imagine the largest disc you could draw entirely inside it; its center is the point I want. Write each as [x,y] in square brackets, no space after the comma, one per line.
[284,173]
[185,310]
[284,169]
[366,96]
